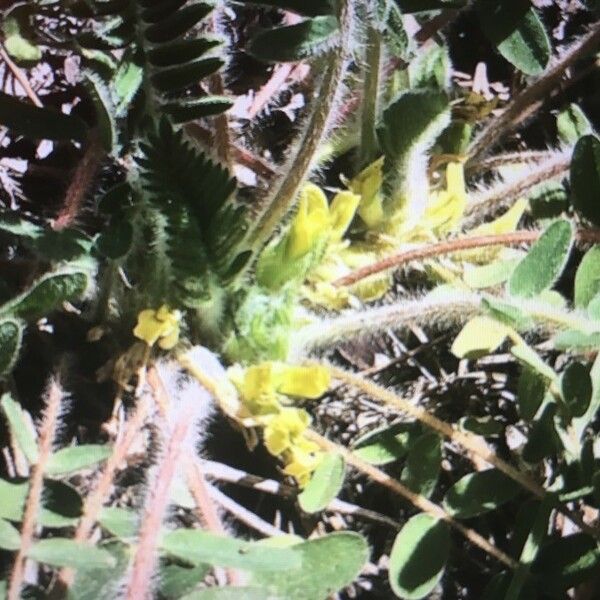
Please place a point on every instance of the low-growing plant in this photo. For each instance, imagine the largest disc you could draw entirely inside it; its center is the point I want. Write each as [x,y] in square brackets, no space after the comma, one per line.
[200,297]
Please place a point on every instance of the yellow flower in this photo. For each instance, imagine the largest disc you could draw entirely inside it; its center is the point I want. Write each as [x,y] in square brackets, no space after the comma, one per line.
[304,382]
[257,388]
[311,222]
[367,184]
[283,430]
[446,207]
[160,325]
[302,460]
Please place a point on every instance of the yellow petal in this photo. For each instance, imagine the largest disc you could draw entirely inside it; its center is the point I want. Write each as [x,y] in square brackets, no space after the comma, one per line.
[305,382]
[455,179]
[367,184]
[158,324]
[446,208]
[342,210]
[310,223]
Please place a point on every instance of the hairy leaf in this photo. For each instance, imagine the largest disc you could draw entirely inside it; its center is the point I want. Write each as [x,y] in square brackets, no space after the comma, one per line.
[587,278]
[20,428]
[544,262]
[422,468]
[296,42]
[11,337]
[515,28]
[585,178]
[63,552]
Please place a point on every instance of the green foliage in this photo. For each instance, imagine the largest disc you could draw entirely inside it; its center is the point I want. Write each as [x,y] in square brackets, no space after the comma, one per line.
[11,335]
[385,445]
[418,557]
[64,552]
[517,31]
[478,493]
[585,178]
[19,428]
[296,42]
[587,278]
[327,564]
[325,484]
[572,124]
[544,262]
[423,463]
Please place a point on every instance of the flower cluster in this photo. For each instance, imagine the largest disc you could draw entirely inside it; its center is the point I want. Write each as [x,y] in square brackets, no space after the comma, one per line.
[267,391]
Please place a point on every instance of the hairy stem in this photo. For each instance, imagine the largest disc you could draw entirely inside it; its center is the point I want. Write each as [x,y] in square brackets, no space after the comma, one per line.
[368,141]
[503,194]
[417,500]
[20,77]
[518,108]
[456,308]
[450,246]
[83,177]
[141,577]
[283,198]
[34,498]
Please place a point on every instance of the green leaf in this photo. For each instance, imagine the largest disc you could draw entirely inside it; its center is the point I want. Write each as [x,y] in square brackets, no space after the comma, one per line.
[121,522]
[39,123]
[63,552]
[176,581]
[77,458]
[530,393]
[386,444]
[102,583]
[10,538]
[16,45]
[430,68]
[566,562]
[572,124]
[101,98]
[11,337]
[587,278]
[309,8]
[515,28]
[529,357]
[127,81]
[172,79]
[544,262]
[230,593]
[48,293]
[387,19]
[580,424]
[411,124]
[530,548]
[506,313]
[478,493]
[576,388]
[202,547]
[485,426]
[61,506]
[585,178]
[20,428]
[177,23]
[422,468]
[324,485]
[490,275]
[479,337]
[296,42]
[180,51]
[418,557]
[543,439]
[183,111]
[573,339]
[327,565]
